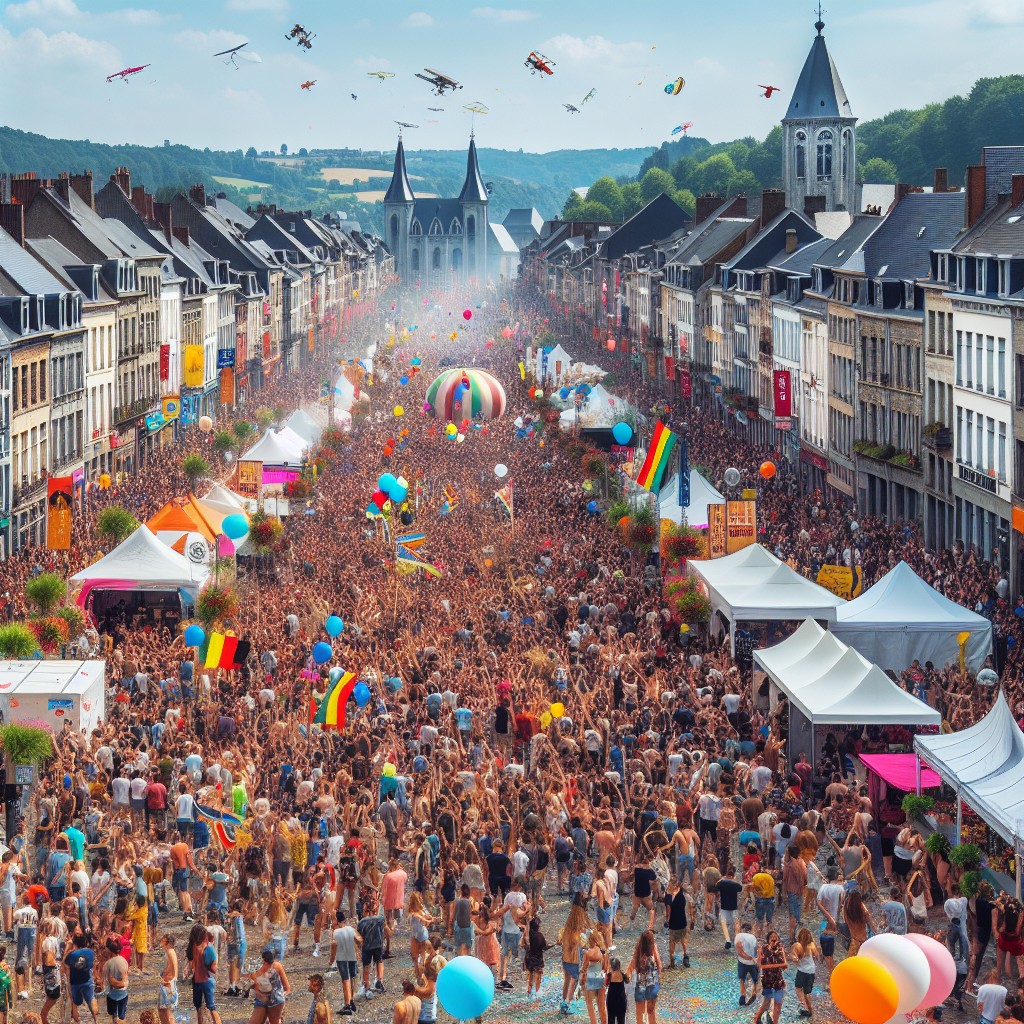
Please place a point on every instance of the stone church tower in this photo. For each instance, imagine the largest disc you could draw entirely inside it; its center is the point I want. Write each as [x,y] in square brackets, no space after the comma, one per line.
[819,132]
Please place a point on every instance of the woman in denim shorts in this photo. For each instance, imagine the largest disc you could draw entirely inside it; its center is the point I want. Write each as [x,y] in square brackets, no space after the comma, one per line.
[646,970]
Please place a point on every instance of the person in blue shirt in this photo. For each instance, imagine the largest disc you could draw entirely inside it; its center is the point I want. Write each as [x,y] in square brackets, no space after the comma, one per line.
[79,963]
[194,764]
[434,702]
[464,720]
[56,871]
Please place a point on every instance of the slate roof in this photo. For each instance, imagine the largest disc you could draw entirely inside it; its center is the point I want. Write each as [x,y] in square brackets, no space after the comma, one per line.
[819,92]
[659,218]
[1001,163]
[268,230]
[999,233]
[900,249]
[838,254]
[499,234]
[231,213]
[523,217]
[803,259]
[704,242]
[400,189]
[57,257]
[767,245]
[446,210]
[24,271]
[128,241]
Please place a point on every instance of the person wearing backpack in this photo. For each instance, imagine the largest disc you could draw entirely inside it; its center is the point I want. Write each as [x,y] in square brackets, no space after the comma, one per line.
[78,964]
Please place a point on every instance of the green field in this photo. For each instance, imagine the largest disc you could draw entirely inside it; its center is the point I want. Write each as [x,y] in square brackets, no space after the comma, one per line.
[241,183]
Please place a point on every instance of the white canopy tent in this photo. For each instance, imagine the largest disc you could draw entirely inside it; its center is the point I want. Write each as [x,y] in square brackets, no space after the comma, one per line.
[601,410]
[292,439]
[553,367]
[273,450]
[702,494]
[984,764]
[752,585]
[902,618]
[305,426]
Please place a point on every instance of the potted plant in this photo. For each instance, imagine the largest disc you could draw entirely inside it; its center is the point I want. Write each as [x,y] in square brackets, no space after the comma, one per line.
[17,642]
[642,528]
[914,806]
[937,845]
[215,604]
[965,857]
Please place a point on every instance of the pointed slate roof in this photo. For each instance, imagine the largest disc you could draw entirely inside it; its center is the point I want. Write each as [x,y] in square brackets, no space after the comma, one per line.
[473,189]
[400,190]
[819,92]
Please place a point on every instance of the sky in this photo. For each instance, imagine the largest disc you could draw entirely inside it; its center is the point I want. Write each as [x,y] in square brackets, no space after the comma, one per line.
[55,56]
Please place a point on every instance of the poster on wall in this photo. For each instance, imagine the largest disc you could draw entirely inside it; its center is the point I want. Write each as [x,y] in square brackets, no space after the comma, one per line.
[195,366]
[783,394]
[59,495]
[741,525]
[716,530]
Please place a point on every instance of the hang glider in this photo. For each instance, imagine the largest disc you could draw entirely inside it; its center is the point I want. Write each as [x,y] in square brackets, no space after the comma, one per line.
[236,53]
[127,73]
[405,124]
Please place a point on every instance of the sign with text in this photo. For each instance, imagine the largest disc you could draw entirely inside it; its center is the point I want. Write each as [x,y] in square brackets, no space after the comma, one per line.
[783,394]
[250,478]
[685,383]
[740,525]
[716,530]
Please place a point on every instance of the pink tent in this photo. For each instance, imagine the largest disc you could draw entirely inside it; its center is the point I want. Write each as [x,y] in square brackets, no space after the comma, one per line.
[900,771]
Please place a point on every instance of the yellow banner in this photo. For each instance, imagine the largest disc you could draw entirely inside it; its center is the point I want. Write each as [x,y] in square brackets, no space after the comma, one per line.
[171,407]
[840,580]
[195,366]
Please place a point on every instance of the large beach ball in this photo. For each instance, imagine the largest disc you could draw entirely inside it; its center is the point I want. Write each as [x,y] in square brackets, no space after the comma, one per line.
[479,392]
[194,636]
[465,987]
[235,526]
[863,990]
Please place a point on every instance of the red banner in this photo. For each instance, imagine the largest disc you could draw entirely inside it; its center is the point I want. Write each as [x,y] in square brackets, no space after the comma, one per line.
[783,395]
[670,367]
[165,362]
[685,383]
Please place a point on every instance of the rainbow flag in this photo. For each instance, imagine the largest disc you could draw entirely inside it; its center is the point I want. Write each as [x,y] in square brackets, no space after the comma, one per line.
[331,713]
[658,452]
[505,497]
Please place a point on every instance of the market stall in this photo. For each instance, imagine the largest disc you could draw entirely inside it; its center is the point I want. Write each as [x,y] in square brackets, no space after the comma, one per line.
[890,777]
[56,692]
[901,618]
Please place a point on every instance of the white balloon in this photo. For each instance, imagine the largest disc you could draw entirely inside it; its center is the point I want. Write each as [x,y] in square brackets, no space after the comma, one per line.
[501,471]
[459,438]
[518,421]
[732,477]
[905,962]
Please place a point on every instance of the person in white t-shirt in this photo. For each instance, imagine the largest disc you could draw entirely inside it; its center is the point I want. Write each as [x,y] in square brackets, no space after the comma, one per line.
[120,788]
[745,944]
[991,998]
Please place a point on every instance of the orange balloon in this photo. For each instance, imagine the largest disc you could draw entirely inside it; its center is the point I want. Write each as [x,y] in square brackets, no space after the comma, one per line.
[624,524]
[532,392]
[767,470]
[864,990]
[389,452]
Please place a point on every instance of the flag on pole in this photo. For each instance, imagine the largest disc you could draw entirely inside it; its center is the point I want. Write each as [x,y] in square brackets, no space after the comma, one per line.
[506,498]
[658,453]
[331,713]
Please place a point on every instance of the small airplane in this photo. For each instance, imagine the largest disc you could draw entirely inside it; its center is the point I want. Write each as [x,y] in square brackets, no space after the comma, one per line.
[302,36]
[381,75]
[590,95]
[127,73]
[308,85]
[436,109]
[235,52]
[489,185]
[768,90]
[405,124]
[354,96]
[538,62]
[684,127]
[570,108]
[438,81]
[476,108]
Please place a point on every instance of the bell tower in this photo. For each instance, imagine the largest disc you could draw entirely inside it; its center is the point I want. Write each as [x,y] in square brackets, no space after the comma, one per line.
[399,201]
[473,200]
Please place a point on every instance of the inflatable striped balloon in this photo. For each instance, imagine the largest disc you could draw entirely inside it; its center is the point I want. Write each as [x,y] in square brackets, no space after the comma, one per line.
[463,394]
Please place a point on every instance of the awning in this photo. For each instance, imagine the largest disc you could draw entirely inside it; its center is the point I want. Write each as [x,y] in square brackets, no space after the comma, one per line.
[900,771]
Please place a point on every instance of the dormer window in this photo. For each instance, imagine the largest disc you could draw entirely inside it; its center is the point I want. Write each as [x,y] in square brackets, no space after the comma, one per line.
[980,276]
[435,227]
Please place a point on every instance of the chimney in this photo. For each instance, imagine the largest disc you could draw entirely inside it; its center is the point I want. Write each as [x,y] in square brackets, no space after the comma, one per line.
[791,240]
[1017,190]
[12,220]
[180,233]
[122,176]
[162,216]
[941,180]
[706,205]
[737,208]
[813,205]
[24,187]
[62,186]
[82,184]
[773,202]
[975,206]
[197,193]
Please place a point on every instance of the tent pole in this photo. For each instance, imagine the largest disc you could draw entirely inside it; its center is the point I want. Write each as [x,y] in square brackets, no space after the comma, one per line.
[959,819]
[917,769]
[732,637]
[814,750]
[1016,866]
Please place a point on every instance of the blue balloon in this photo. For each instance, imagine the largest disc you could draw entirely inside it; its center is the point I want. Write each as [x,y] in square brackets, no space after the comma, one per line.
[361,693]
[622,432]
[322,653]
[336,673]
[403,380]
[194,636]
[465,987]
[398,493]
[235,526]
[592,507]
[386,481]
[394,684]
[373,509]
[334,625]
[67,782]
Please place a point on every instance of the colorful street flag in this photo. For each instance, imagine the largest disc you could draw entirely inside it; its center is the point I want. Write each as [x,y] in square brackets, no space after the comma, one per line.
[331,713]
[59,491]
[224,651]
[653,469]
[506,499]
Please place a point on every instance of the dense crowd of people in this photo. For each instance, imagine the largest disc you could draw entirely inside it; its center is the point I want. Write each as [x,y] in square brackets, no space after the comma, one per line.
[547,775]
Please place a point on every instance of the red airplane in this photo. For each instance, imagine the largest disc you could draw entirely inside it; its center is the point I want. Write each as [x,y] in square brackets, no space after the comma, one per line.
[538,62]
[124,75]
[308,85]
[768,90]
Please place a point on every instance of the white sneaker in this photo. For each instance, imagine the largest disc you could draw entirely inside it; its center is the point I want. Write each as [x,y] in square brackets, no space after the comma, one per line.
[316,951]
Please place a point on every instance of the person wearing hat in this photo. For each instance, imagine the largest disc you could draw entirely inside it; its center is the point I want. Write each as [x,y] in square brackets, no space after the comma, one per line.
[320,1010]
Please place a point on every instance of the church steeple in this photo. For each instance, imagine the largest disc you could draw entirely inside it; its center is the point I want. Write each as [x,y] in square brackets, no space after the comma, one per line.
[819,136]
[400,190]
[473,190]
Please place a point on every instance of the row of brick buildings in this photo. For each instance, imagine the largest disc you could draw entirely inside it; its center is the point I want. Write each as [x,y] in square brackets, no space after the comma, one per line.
[113,305]
[894,313]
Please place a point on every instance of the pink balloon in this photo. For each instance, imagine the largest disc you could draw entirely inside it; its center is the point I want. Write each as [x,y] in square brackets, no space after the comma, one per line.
[941,965]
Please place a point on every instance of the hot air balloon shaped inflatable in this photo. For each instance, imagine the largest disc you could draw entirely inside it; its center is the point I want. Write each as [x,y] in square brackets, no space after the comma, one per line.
[463,394]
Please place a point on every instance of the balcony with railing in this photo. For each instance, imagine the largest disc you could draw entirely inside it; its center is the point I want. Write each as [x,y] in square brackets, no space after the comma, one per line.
[122,413]
[28,490]
[937,436]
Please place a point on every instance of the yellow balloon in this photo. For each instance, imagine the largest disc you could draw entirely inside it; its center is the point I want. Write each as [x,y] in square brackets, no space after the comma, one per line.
[389,770]
[864,990]
[545,719]
[557,710]
[962,638]
[453,335]
[399,411]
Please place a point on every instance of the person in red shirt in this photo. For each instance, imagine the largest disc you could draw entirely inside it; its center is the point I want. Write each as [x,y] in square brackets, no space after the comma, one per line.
[37,895]
[156,802]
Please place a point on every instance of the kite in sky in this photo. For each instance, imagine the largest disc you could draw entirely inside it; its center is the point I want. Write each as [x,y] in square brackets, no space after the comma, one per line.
[127,73]
[676,87]
[684,127]
[768,90]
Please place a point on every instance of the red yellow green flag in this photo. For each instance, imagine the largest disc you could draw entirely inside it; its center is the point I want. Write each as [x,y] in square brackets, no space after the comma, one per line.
[658,452]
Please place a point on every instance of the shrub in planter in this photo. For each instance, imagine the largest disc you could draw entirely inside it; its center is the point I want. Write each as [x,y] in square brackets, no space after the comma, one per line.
[914,806]
[17,642]
[966,856]
[46,591]
[616,511]
[50,632]
[74,617]
[26,744]
[692,606]
[683,542]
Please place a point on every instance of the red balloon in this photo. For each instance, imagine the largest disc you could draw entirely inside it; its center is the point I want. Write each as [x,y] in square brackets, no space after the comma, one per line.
[467,314]
[767,470]
[378,499]
[610,344]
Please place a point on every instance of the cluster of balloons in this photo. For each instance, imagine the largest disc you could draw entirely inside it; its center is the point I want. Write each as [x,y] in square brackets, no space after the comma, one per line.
[767,470]
[465,987]
[389,487]
[622,432]
[194,636]
[892,974]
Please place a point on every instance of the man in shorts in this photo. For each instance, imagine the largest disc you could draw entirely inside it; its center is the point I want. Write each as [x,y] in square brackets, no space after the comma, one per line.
[79,963]
[746,963]
[344,942]
[373,930]
[183,864]
[762,885]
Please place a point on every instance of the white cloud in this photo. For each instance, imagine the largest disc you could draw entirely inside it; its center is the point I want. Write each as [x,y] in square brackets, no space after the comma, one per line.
[373,63]
[41,10]
[579,50]
[139,16]
[504,16]
[257,5]
[215,40]
[62,48]
[996,13]
[418,19]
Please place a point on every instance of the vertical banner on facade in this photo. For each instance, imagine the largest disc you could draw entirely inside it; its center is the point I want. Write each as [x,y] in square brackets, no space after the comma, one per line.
[684,473]
[740,525]
[310,341]
[195,366]
[670,367]
[716,530]
[189,409]
[250,478]
[165,362]
[227,386]
[783,394]
[59,495]
[685,383]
